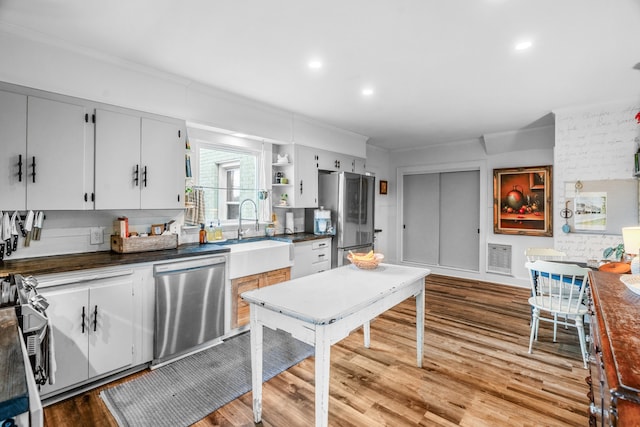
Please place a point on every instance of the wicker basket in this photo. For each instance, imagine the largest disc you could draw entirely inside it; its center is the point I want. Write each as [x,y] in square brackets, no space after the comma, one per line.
[365,264]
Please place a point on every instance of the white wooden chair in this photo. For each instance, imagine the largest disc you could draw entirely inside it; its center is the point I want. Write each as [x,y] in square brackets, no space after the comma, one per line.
[546,254]
[558,290]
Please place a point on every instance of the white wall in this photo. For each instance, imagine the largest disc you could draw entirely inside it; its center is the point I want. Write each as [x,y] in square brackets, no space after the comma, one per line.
[32,61]
[530,147]
[378,164]
[593,143]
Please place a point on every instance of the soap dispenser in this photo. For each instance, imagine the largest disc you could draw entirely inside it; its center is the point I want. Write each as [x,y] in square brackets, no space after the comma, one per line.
[218,231]
[210,233]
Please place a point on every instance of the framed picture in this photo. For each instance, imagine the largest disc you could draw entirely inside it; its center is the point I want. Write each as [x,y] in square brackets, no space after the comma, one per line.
[522,201]
[383,187]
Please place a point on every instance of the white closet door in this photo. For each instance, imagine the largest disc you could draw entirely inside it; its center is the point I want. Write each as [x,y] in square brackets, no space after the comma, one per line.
[421,218]
[460,219]
[441,219]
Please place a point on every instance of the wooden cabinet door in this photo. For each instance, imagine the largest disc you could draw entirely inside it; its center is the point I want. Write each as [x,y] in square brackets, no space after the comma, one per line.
[13,139]
[277,276]
[56,139]
[239,308]
[111,325]
[163,171]
[117,163]
[68,311]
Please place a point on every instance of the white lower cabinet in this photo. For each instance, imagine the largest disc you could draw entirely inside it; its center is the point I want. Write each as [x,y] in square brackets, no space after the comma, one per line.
[93,327]
[310,257]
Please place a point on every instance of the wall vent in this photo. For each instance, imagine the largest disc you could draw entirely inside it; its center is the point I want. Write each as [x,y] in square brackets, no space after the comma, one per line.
[498,258]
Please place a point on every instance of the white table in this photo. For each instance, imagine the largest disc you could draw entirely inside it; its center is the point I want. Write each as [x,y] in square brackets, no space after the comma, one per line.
[322,309]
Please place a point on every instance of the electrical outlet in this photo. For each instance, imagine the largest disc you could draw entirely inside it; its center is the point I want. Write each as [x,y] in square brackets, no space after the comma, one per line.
[96,235]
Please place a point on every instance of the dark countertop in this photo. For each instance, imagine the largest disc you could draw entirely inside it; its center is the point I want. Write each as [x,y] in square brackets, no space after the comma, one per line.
[83,261]
[301,237]
[74,262]
[14,395]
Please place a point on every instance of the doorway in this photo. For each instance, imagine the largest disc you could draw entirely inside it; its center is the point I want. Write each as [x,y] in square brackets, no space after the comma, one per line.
[441,219]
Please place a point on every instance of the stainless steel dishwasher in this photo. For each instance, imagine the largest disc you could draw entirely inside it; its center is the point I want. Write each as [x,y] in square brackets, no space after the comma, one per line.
[190,305]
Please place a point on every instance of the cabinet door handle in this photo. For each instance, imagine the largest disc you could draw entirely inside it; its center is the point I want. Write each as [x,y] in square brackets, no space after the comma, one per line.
[83,319]
[144,176]
[33,165]
[136,175]
[95,318]
[301,187]
[19,167]
[321,255]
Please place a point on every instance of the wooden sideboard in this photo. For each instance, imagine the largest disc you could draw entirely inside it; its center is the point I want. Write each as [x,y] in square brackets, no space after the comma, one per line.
[614,352]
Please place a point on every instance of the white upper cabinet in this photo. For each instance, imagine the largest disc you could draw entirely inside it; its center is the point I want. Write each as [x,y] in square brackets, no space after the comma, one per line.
[139,161]
[162,159]
[337,162]
[302,176]
[55,163]
[302,188]
[13,155]
[117,178]
[359,165]
[45,144]
[305,185]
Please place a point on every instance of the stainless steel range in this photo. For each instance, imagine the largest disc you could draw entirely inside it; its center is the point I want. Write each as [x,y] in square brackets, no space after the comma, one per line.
[32,317]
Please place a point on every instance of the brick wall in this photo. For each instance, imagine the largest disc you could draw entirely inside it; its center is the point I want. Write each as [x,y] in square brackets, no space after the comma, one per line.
[594,143]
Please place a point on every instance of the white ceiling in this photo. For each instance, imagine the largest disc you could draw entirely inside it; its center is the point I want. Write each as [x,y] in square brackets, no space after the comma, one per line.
[442,70]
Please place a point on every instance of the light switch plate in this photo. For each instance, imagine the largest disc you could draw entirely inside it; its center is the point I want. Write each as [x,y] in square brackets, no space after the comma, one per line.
[96,235]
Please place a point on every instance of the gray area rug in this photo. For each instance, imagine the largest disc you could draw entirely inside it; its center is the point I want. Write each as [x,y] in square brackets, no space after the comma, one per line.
[187,390]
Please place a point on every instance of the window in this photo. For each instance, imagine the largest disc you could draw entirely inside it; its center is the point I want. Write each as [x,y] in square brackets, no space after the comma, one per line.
[228,176]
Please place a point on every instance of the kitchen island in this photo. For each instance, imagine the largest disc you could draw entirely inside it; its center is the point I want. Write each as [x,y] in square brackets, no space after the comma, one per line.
[324,308]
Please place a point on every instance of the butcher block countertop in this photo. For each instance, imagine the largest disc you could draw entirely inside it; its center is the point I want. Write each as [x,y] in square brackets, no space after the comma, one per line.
[74,262]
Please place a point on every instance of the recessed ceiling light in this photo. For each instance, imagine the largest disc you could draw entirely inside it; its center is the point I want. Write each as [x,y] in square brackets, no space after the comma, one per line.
[367,91]
[315,64]
[523,45]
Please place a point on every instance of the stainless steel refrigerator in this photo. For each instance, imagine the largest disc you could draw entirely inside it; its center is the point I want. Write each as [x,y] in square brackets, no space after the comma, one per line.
[350,197]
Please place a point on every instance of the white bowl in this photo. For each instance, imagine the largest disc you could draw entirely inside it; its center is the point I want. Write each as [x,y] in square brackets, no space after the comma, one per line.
[632,282]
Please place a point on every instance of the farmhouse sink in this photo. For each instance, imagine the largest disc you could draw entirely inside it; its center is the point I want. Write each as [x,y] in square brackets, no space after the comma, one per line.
[257,256]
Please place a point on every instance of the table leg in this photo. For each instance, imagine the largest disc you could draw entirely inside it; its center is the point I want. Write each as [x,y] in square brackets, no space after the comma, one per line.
[367,334]
[256,365]
[323,359]
[420,326]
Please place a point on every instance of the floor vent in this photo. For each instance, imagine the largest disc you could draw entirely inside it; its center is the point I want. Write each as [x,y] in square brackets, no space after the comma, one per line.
[499,259]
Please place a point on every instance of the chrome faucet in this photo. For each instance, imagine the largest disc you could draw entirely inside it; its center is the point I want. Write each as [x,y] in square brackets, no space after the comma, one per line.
[240,231]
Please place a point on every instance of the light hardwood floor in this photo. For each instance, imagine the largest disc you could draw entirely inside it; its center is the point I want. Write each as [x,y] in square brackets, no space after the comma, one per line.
[476,372]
